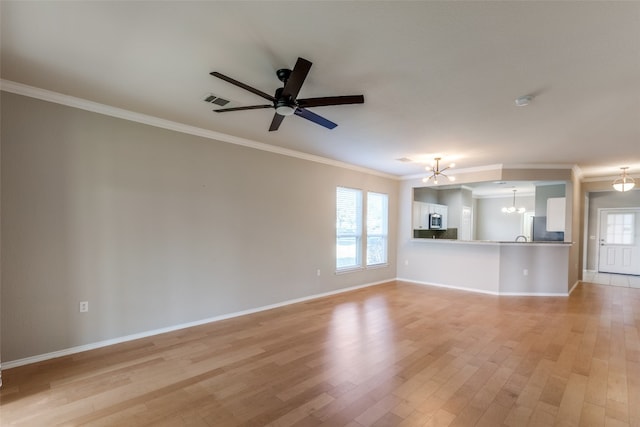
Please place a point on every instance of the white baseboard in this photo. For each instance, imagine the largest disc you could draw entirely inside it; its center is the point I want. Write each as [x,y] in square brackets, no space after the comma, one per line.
[574,286]
[482,291]
[530,294]
[439,285]
[78,349]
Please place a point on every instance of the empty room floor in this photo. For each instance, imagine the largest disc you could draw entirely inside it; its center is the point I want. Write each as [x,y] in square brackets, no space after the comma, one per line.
[396,354]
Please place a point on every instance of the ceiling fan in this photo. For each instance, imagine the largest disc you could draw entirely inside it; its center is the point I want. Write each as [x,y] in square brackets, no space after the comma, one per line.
[285,99]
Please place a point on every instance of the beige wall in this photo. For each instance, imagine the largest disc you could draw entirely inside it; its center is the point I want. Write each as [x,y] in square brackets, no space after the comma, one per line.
[155,228]
[0,245]
[493,224]
[563,174]
[575,215]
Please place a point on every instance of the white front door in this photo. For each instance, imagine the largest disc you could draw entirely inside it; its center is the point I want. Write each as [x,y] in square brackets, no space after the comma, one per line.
[619,241]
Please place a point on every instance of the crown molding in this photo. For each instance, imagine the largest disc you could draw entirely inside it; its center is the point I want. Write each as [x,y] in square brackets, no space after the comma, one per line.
[545,183]
[609,178]
[539,166]
[96,107]
[498,167]
[506,196]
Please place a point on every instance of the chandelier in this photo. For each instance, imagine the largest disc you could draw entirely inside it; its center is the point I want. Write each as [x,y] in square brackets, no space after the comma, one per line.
[624,182]
[512,208]
[437,172]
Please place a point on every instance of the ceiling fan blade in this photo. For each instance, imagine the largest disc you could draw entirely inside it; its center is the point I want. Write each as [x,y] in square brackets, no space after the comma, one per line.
[331,100]
[294,83]
[242,85]
[306,114]
[250,107]
[275,123]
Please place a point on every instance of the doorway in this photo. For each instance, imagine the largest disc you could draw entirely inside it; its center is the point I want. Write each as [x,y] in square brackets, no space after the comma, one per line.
[466,222]
[527,225]
[619,241]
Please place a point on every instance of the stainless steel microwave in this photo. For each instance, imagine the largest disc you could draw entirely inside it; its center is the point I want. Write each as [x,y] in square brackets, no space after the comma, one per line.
[435,221]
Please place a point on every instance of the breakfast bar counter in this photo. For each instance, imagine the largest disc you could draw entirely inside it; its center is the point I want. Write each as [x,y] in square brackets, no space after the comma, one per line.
[500,268]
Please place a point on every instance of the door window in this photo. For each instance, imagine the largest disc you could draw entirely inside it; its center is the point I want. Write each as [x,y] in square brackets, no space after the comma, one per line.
[620,229]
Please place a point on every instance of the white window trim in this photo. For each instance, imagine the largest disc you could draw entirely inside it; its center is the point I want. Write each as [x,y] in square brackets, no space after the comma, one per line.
[360,236]
[364,236]
[384,235]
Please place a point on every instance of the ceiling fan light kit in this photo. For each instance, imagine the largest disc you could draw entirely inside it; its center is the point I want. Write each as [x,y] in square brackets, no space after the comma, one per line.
[285,100]
[624,182]
[285,110]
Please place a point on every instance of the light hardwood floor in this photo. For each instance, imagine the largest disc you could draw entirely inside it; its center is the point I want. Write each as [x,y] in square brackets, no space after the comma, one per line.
[390,355]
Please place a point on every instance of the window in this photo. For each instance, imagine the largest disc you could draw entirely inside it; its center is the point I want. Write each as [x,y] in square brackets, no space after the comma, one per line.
[620,228]
[349,228]
[377,228]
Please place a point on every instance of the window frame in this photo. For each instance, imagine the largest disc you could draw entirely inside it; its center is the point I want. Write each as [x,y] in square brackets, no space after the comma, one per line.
[384,226]
[361,233]
[357,233]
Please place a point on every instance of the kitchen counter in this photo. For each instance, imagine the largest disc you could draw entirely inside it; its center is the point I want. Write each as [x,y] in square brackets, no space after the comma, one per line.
[493,267]
[491,242]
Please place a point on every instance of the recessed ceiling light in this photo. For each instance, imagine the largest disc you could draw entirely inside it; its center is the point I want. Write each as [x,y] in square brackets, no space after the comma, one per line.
[523,101]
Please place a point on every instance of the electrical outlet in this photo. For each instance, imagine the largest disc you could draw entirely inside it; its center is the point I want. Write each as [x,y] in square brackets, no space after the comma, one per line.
[525,272]
[318,272]
[84,306]
[406,262]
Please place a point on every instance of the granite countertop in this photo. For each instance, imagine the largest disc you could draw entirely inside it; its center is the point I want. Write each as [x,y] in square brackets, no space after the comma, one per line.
[493,242]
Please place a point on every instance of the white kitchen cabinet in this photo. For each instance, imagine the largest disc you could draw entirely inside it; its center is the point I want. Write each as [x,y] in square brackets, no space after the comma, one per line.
[421,212]
[421,215]
[556,213]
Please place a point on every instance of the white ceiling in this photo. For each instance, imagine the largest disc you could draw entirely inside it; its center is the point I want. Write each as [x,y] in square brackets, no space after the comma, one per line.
[438,77]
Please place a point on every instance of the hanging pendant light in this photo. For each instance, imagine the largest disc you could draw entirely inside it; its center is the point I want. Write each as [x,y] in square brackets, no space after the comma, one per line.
[624,182]
[437,172]
[512,208]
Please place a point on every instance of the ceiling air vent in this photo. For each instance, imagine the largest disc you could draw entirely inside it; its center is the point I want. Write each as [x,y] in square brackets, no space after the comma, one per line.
[215,100]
